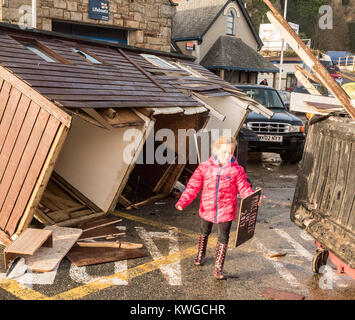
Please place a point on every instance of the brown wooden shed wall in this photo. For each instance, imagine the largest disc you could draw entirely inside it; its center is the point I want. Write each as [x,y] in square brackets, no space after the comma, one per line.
[27,132]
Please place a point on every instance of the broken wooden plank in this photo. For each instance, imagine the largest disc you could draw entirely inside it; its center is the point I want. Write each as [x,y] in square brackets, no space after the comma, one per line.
[76,221]
[110,244]
[306,83]
[100,223]
[64,214]
[97,116]
[101,232]
[74,192]
[149,200]
[106,236]
[81,256]
[141,69]
[43,218]
[4,238]
[28,243]
[124,201]
[47,259]
[81,213]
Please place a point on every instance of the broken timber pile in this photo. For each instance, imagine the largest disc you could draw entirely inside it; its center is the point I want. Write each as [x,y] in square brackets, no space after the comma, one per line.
[44,249]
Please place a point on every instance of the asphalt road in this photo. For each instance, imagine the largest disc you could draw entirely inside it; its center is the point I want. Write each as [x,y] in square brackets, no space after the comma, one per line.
[170,241]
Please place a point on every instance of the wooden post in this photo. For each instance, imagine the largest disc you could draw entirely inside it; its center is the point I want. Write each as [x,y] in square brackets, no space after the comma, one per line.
[307,56]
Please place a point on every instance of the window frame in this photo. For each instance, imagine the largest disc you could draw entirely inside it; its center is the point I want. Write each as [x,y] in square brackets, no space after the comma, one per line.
[149,58]
[229,27]
[87,53]
[42,48]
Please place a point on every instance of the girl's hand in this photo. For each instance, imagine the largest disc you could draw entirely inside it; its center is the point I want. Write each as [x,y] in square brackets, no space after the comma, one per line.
[261,200]
[179,208]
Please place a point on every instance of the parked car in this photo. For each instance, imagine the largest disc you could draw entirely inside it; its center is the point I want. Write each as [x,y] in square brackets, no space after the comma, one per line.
[286,98]
[282,134]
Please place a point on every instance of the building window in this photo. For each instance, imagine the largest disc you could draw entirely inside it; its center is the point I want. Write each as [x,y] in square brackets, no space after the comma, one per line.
[87,31]
[86,55]
[158,62]
[230,23]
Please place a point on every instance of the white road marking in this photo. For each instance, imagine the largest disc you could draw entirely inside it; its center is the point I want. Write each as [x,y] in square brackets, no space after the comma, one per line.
[171,272]
[299,248]
[281,269]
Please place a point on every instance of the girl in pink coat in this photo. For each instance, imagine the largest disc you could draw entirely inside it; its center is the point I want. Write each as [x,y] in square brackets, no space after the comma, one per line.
[220,179]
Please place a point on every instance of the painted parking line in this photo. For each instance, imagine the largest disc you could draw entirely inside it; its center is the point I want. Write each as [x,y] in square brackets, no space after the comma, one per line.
[282,270]
[171,272]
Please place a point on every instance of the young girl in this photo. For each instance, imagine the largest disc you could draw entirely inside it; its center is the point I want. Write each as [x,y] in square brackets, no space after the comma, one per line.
[220,178]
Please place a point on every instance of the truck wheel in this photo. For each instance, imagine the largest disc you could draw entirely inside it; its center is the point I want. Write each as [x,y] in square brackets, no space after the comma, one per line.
[319,260]
[292,157]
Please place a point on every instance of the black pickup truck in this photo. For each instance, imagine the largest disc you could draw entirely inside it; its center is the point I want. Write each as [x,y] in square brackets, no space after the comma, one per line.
[282,134]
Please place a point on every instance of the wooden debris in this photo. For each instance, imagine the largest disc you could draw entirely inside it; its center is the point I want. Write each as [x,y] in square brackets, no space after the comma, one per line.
[101,232]
[28,243]
[307,56]
[110,244]
[99,223]
[149,200]
[43,218]
[47,259]
[83,256]
[64,214]
[76,221]
[106,236]
[278,255]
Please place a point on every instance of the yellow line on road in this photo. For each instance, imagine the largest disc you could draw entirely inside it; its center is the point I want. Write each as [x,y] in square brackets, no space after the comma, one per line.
[20,291]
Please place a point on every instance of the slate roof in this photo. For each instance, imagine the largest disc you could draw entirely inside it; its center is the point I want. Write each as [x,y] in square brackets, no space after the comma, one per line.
[117,83]
[194,23]
[232,53]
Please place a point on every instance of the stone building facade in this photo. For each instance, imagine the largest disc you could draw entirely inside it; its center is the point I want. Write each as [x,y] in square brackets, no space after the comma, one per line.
[142,23]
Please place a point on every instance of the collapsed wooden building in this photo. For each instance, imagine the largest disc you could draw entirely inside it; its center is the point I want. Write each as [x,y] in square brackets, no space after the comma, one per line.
[65,106]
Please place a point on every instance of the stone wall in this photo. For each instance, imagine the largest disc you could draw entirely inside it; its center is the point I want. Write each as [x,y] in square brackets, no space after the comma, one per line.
[148,21]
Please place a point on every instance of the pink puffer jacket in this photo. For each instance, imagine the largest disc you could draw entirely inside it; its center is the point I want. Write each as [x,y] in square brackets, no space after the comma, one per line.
[220,186]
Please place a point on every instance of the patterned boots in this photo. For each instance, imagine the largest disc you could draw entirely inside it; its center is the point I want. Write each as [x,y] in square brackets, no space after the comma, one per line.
[202,245]
[221,250]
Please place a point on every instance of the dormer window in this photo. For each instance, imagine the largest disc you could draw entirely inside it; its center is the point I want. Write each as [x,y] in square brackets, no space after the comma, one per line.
[87,56]
[41,50]
[158,62]
[230,23]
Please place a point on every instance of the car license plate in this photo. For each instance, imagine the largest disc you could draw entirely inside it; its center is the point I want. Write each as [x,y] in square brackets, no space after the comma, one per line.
[269,138]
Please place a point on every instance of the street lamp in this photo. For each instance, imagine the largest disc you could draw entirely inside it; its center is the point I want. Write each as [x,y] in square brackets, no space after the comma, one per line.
[282,49]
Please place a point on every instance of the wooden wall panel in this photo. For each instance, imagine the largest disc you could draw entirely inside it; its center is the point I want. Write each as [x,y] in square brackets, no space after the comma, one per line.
[9,113]
[15,158]
[11,138]
[27,133]
[33,172]
[4,96]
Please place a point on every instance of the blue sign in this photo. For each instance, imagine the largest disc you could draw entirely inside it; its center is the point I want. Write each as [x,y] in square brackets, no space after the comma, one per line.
[99,10]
